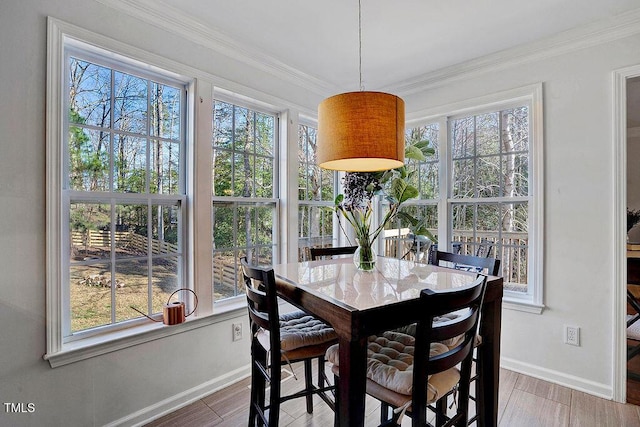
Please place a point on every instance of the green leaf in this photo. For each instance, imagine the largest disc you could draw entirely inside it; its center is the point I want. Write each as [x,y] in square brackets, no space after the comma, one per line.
[339,199]
[414,153]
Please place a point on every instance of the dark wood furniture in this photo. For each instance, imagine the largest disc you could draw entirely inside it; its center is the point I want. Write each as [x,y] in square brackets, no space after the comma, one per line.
[358,304]
[434,369]
[319,253]
[463,262]
[278,340]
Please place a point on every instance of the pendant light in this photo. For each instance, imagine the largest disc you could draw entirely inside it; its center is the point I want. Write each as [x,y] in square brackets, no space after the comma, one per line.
[361,131]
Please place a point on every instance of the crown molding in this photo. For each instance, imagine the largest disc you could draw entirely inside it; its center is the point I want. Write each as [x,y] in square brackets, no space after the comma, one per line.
[174,20]
[599,32]
[168,18]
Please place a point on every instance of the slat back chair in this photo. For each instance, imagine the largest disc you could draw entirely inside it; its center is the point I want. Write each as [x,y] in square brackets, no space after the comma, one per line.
[319,253]
[465,262]
[412,373]
[277,340]
[437,305]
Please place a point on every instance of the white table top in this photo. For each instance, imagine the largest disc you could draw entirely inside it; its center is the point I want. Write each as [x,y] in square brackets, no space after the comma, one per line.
[392,280]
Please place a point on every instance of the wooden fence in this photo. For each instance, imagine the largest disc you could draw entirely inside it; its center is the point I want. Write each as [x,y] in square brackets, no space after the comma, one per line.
[512,248]
[125,240]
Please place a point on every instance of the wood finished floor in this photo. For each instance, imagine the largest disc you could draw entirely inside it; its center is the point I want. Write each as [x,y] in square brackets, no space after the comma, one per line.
[523,402]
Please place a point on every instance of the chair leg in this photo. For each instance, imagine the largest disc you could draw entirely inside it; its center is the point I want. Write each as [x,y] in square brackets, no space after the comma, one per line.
[384,412]
[274,394]
[441,411]
[308,384]
[258,384]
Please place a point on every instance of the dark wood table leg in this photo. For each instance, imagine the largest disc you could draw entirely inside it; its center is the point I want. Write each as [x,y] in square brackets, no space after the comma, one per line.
[489,359]
[352,382]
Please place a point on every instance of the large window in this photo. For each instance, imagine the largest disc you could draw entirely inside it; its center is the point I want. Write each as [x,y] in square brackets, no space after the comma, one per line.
[480,192]
[245,192]
[123,192]
[316,194]
[489,202]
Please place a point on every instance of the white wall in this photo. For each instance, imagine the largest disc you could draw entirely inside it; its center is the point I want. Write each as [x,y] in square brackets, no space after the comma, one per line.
[578,232]
[128,385]
[578,227]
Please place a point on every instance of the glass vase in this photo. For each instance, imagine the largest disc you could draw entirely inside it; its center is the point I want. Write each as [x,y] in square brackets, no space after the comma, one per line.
[364,258]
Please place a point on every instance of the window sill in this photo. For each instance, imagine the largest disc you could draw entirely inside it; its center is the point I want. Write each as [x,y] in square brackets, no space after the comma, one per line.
[113,341]
[525,303]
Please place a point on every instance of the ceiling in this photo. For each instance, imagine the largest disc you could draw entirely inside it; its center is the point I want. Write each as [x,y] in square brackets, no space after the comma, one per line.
[401,40]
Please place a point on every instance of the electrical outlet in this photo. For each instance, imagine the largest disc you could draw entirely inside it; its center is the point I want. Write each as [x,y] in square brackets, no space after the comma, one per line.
[237,331]
[572,335]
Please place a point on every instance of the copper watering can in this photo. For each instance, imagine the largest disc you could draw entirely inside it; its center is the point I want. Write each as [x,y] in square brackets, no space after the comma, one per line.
[173,313]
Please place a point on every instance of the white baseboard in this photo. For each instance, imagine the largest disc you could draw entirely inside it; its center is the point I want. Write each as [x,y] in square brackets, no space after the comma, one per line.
[180,400]
[604,391]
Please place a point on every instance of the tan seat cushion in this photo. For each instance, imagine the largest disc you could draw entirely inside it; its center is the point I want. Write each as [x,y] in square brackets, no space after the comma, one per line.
[299,329]
[452,342]
[390,368]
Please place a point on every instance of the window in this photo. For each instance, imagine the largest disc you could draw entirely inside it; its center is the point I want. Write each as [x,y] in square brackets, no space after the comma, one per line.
[122,194]
[316,195]
[245,192]
[480,193]
[401,240]
[490,199]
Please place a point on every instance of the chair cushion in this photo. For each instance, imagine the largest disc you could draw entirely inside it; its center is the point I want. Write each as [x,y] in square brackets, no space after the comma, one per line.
[452,342]
[297,330]
[390,366]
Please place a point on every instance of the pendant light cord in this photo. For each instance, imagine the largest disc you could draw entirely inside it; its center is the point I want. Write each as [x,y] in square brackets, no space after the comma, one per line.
[360,43]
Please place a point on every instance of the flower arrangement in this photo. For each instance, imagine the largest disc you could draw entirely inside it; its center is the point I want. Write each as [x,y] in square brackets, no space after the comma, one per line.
[356,206]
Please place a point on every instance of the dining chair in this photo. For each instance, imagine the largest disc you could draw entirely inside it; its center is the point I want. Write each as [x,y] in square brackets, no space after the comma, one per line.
[277,340]
[319,253]
[467,262]
[413,374]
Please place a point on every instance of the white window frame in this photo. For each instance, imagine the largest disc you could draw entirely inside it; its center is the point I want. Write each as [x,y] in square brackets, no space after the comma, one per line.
[336,232]
[196,209]
[253,105]
[532,96]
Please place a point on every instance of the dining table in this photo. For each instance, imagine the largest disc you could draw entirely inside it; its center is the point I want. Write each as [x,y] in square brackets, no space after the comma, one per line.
[358,304]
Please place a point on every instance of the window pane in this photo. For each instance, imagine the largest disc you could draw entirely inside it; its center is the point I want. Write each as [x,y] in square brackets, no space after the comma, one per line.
[265,125]
[264,177]
[165,111]
[243,175]
[131,230]
[225,271]
[130,164]
[488,176]
[223,225]
[221,174]
[165,223]
[429,188]
[90,296]
[89,94]
[487,134]
[462,137]
[165,281]
[242,137]
[515,123]
[130,103]
[223,125]
[89,228]
[132,278]
[165,164]
[88,159]
[463,179]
